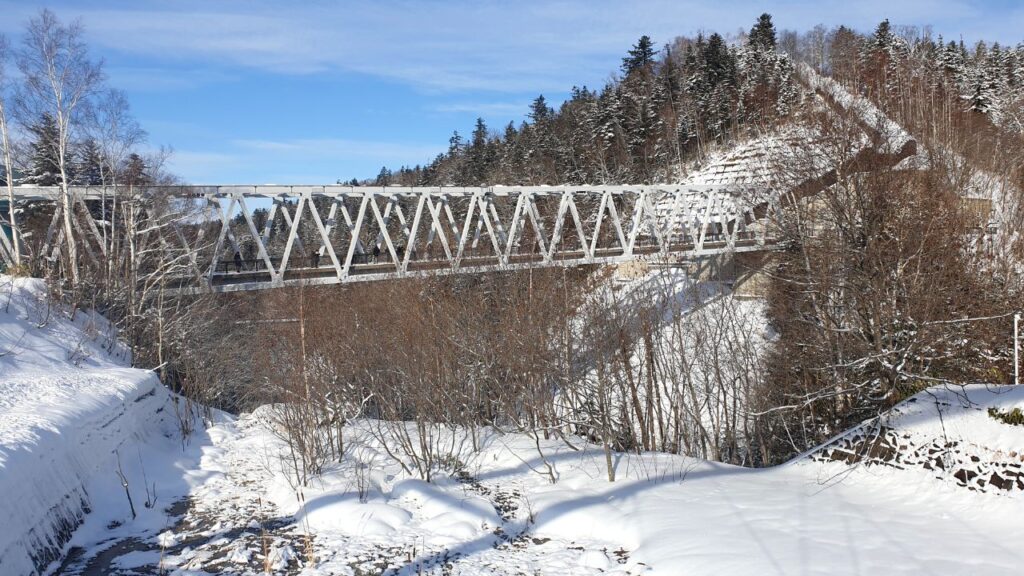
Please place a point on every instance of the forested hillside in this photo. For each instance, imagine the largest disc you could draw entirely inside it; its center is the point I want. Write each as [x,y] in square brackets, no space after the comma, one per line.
[902,155]
[669,106]
[558,414]
[897,157]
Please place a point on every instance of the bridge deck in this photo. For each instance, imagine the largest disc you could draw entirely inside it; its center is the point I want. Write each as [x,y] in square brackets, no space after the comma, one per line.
[252,275]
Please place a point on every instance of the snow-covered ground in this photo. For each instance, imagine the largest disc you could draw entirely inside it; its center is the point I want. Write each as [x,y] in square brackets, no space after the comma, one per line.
[874,501]
[674,515]
[70,408]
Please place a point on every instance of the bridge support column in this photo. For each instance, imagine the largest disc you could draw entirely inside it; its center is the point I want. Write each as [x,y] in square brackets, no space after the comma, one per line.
[753,274]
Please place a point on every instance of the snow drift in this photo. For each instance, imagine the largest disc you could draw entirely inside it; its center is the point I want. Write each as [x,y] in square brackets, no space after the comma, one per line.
[69,408]
[822,513]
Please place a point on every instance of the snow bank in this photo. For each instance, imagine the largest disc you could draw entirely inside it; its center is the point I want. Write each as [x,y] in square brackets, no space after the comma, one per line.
[69,404]
[960,436]
[519,505]
[686,516]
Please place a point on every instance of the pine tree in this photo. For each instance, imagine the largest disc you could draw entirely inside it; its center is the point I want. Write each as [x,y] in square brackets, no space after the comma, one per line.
[712,84]
[544,144]
[764,76]
[720,64]
[983,93]
[640,56]
[448,168]
[1018,69]
[762,35]
[44,168]
[640,123]
[135,171]
[996,63]
[540,112]
[455,144]
[951,61]
[883,38]
[584,150]
[88,164]
[478,156]
[609,132]
[509,166]
[881,57]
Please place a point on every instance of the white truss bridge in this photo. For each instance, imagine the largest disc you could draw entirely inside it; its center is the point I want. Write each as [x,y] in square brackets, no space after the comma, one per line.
[229,238]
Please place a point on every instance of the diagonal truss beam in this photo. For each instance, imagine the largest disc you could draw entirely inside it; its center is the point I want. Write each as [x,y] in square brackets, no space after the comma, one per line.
[432,231]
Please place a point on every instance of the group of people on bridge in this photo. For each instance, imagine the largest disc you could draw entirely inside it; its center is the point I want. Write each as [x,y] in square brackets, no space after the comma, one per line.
[247,264]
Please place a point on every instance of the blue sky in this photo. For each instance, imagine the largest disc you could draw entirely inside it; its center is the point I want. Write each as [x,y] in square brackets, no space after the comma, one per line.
[250,91]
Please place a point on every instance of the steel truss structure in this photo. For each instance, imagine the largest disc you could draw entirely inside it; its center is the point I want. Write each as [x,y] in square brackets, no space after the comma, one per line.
[257,237]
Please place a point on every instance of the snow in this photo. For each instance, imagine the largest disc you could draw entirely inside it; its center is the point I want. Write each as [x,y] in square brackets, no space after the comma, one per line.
[871,501]
[890,137]
[755,162]
[70,407]
[240,555]
[677,515]
[167,539]
[785,157]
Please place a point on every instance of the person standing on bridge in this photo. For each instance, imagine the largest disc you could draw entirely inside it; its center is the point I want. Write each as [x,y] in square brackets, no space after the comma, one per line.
[238,261]
[314,257]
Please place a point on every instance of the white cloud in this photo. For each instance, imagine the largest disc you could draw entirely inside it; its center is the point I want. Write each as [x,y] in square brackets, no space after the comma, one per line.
[386,152]
[155,79]
[297,161]
[525,46]
[200,167]
[485,108]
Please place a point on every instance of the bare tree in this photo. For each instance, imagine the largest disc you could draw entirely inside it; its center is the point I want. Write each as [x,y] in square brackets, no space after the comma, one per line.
[14,247]
[110,123]
[59,77]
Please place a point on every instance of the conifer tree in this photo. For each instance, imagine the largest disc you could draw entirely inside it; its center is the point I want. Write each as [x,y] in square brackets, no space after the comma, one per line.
[449,167]
[951,62]
[543,141]
[478,156]
[540,112]
[44,169]
[608,132]
[984,90]
[135,171]
[762,35]
[641,55]
[455,145]
[88,166]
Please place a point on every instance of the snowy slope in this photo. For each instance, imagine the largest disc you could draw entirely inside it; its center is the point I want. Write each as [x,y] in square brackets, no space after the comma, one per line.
[68,402]
[756,162]
[954,435]
[888,136]
[664,514]
[798,154]
[934,487]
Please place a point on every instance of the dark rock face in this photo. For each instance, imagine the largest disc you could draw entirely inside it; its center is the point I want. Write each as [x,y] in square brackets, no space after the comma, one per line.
[968,465]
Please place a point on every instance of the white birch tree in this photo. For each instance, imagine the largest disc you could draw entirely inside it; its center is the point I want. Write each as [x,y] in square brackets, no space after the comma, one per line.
[58,78]
[14,247]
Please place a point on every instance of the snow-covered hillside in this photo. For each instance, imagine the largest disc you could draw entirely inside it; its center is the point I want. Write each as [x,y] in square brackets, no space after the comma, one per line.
[519,506]
[971,437]
[932,488]
[69,408]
